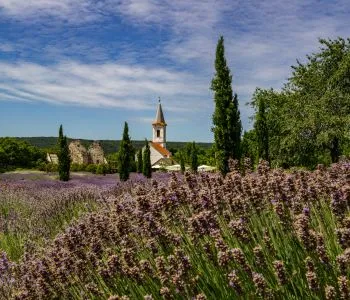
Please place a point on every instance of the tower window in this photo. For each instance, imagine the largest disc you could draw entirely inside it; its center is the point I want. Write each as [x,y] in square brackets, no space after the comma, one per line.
[158,133]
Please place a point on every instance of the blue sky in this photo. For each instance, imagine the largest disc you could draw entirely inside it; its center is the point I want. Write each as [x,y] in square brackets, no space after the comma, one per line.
[93,64]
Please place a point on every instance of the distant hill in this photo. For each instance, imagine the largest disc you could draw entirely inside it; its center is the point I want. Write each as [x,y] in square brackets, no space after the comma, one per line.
[109,146]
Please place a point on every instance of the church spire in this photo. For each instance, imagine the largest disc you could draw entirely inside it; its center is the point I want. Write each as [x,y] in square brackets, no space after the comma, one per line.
[159,127]
[159,116]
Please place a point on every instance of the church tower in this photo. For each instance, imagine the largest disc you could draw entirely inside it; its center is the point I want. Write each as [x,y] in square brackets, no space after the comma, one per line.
[159,127]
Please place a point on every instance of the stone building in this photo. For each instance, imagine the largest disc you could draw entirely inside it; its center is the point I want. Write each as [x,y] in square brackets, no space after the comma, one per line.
[96,154]
[52,158]
[79,154]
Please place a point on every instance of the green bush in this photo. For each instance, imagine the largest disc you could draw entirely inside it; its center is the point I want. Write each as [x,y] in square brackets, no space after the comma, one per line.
[101,170]
[91,168]
[51,167]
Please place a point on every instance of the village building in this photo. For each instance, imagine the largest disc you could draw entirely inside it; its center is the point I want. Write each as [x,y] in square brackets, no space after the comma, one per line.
[52,158]
[96,154]
[160,155]
[79,155]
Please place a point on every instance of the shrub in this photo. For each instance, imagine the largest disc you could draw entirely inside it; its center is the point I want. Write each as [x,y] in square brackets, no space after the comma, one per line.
[91,168]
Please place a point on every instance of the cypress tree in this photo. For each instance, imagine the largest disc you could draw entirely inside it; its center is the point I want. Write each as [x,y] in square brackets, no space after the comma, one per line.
[261,129]
[124,155]
[234,128]
[147,167]
[139,161]
[182,162]
[226,118]
[63,156]
[194,158]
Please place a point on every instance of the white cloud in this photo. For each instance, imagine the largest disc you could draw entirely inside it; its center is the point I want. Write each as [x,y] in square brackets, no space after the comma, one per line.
[262,39]
[99,85]
[77,11]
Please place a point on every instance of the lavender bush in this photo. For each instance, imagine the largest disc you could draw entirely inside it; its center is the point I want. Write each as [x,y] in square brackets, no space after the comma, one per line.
[268,234]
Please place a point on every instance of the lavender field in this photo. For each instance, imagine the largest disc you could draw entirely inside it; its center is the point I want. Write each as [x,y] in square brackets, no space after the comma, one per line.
[267,234]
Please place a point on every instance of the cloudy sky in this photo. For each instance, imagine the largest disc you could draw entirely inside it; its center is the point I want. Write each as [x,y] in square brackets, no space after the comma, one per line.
[93,64]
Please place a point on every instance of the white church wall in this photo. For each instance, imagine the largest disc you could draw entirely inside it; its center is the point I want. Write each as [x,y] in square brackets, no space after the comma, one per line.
[155,156]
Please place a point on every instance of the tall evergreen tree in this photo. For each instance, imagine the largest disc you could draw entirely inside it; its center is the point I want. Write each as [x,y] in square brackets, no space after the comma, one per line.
[226,118]
[262,130]
[139,164]
[182,162]
[63,156]
[147,167]
[124,155]
[194,158]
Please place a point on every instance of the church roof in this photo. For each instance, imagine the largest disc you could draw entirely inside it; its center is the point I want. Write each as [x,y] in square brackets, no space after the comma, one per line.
[159,116]
[160,149]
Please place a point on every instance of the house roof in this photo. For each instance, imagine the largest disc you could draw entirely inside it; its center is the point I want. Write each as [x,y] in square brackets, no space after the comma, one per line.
[160,149]
[159,116]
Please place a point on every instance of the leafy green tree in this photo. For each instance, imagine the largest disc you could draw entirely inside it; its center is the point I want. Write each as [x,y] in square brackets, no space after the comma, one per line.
[261,125]
[147,167]
[249,146]
[63,157]
[124,155]
[321,89]
[139,161]
[194,158]
[227,125]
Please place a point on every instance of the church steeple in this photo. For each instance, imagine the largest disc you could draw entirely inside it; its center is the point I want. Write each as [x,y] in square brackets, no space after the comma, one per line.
[159,127]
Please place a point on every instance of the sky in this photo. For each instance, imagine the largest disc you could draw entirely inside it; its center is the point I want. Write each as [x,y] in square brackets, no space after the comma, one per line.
[91,65]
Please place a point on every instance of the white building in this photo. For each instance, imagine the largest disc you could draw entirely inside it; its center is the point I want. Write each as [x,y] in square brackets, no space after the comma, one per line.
[159,154]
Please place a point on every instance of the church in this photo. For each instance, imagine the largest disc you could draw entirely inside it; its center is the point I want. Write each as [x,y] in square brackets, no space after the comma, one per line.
[160,155]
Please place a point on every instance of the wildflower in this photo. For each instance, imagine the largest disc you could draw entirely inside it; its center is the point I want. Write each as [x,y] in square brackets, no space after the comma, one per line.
[321,249]
[280,272]
[235,282]
[261,286]
[311,275]
[259,256]
[165,293]
[224,258]
[268,243]
[239,258]
[330,292]
[240,229]
[344,288]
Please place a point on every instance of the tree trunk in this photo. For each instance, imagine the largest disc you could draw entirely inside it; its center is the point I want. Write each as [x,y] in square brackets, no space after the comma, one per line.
[335,150]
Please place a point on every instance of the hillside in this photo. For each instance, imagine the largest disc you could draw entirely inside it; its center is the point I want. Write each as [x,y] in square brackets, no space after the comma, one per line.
[109,146]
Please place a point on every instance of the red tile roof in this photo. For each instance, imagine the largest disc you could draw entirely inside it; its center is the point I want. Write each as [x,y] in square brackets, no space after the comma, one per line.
[160,149]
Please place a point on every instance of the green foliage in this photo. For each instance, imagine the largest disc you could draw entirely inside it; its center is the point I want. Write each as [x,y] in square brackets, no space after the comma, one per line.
[309,121]
[206,156]
[91,168]
[226,118]
[182,161]
[49,144]
[249,146]
[101,169]
[139,161]
[194,158]
[125,155]
[261,125]
[14,153]
[147,167]
[63,156]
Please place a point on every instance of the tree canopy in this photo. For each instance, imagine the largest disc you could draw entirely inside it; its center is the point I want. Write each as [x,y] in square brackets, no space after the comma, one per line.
[308,121]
